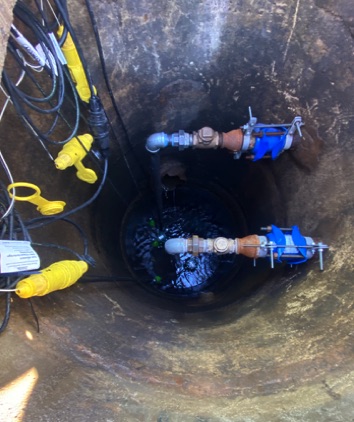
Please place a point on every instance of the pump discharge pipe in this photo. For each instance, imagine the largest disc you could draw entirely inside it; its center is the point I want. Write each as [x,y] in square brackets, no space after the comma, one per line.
[281,245]
[57,276]
[256,140]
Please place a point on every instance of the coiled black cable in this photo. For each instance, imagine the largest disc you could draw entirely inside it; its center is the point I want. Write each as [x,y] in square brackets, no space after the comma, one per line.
[6,318]
[51,103]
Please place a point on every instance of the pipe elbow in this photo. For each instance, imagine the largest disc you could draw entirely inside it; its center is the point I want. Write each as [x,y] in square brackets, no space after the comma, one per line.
[156,141]
[176,246]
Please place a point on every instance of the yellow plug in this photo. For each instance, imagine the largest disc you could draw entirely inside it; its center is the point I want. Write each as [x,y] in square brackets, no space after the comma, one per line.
[44,206]
[73,153]
[57,276]
[75,67]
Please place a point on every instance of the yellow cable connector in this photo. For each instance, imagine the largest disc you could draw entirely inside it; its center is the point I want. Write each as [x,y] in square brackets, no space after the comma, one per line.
[75,66]
[57,276]
[73,153]
[44,206]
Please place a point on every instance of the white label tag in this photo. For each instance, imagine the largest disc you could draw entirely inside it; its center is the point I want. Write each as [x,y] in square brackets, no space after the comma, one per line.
[17,255]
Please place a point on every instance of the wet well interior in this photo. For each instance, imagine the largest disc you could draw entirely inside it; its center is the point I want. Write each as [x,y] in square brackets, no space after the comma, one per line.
[248,344]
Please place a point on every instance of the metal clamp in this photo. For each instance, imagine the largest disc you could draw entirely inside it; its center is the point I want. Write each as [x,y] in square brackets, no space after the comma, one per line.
[295,126]
[248,128]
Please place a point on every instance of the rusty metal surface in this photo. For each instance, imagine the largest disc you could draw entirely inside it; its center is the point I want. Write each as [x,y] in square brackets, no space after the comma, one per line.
[232,140]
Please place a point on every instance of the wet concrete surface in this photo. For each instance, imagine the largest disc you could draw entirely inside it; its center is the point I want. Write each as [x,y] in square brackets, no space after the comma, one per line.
[284,352]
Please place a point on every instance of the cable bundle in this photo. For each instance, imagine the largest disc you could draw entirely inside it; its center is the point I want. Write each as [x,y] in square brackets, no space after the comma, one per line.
[44,94]
[48,96]
[48,102]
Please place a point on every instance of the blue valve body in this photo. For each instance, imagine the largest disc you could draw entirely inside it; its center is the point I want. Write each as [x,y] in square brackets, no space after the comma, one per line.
[284,245]
[269,144]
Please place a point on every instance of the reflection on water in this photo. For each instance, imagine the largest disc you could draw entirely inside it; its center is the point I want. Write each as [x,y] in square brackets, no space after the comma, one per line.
[185,213]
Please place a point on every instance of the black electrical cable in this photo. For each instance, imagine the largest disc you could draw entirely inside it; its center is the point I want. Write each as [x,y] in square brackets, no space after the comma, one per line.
[34,313]
[18,96]
[87,258]
[11,284]
[97,120]
[42,135]
[6,318]
[99,278]
[110,91]
[61,5]
[42,11]
[80,231]
[20,60]
[35,223]
[28,18]
[22,228]
[62,39]
[75,128]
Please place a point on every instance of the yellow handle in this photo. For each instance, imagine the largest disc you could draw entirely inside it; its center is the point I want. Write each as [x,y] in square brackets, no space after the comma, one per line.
[44,206]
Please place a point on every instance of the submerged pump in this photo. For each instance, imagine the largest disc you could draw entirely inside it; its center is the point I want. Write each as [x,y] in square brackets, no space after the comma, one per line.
[256,140]
[279,244]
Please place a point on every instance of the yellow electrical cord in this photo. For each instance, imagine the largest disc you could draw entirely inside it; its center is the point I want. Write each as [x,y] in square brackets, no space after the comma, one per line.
[57,276]
[75,66]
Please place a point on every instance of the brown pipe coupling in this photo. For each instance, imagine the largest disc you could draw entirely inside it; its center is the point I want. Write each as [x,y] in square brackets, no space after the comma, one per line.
[232,140]
[207,138]
[249,251]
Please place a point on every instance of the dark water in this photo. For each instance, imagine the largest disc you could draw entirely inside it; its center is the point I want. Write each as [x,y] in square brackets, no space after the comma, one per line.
[185,212]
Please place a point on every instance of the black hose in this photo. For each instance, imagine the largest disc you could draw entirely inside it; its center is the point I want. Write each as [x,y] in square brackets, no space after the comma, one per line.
[6,318]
